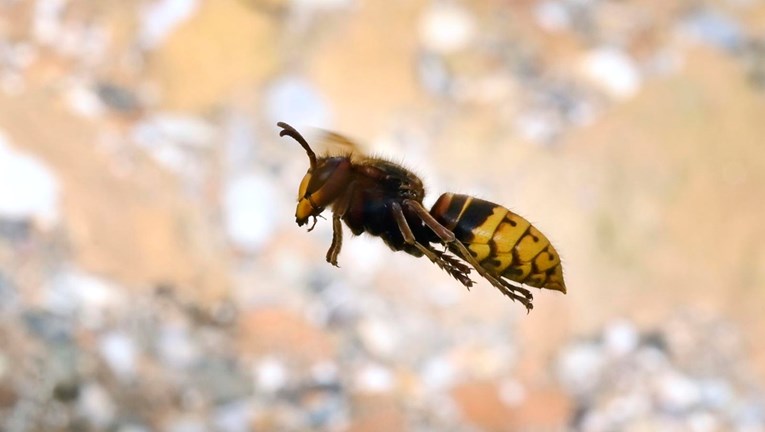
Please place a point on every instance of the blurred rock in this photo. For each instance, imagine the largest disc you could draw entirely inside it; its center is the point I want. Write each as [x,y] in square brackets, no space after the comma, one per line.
[28,188]
[176,347]
[250,212]
[97,406]
[120,353]
[72,292]
[374,378]
[620,338]
[270,375]
[614,71]
[159,18]
[50,327]
[233,416]
[84,101]
[580,368]
[379,337]
[714,28]
[446,27]
[677,393]
[188,423]
[552,16]
[439,374]
[294,100]
[119,98]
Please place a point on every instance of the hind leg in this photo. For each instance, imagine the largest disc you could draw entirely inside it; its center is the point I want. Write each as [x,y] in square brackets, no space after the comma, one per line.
[456,269]
[447,237]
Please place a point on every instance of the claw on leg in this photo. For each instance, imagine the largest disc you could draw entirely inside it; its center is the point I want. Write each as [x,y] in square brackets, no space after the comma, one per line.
[315,219]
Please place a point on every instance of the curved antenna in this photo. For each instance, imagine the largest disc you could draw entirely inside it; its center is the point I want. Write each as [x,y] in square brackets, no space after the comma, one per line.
[291,132]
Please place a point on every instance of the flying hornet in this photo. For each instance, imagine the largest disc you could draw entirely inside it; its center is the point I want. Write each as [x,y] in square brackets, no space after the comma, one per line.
[459,233]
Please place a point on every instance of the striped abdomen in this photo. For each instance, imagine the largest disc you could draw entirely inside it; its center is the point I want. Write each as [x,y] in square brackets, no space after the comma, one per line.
[504,243]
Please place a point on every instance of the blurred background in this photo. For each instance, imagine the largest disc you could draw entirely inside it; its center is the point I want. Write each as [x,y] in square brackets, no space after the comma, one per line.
[152,276]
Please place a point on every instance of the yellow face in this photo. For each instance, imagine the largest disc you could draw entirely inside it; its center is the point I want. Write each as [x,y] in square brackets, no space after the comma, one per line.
[304,208]
[321,186]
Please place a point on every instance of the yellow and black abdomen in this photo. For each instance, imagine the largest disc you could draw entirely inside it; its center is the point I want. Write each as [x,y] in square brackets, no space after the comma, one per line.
[504,243]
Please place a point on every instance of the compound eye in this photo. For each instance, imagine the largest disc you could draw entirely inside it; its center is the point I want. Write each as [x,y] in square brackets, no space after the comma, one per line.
[304,185]
[321,175]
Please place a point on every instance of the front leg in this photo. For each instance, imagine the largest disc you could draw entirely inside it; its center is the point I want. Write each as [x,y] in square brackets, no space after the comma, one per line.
[338,211]
[337,240]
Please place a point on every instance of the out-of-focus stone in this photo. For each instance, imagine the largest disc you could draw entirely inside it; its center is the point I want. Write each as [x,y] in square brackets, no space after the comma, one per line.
[160,18]
[270,375]
[97,406]
[373,379]
[120,353]
[233,416]
[176,348]
[28,187]
[250,211]
[380,337]
[72,292]
[620,338]
[446,27]
[714,28]
[614,71]
[224,48]
[580,368]
[298,102]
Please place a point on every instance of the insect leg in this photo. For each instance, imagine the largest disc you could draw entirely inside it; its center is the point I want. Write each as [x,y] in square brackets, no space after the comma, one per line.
[337,240]
[456,269]
[448,237]
[338,211]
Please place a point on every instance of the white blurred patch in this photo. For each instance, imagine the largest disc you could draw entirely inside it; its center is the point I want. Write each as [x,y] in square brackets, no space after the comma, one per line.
[613,71]
[374,378]
[552,16]
[46,21]
[119,351]
[83,101]
[176,348]
[159,18]
[233,417]
[439,373]
[580,368]
[446,28]
[296,101]
[97,406]
[249,214]
[73,291]
[620,338]
[28,188]
[677,392]
[175,141]
[270,375]
[379,337]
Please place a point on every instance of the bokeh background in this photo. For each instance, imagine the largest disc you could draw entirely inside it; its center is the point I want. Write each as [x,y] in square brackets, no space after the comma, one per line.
[152,276]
